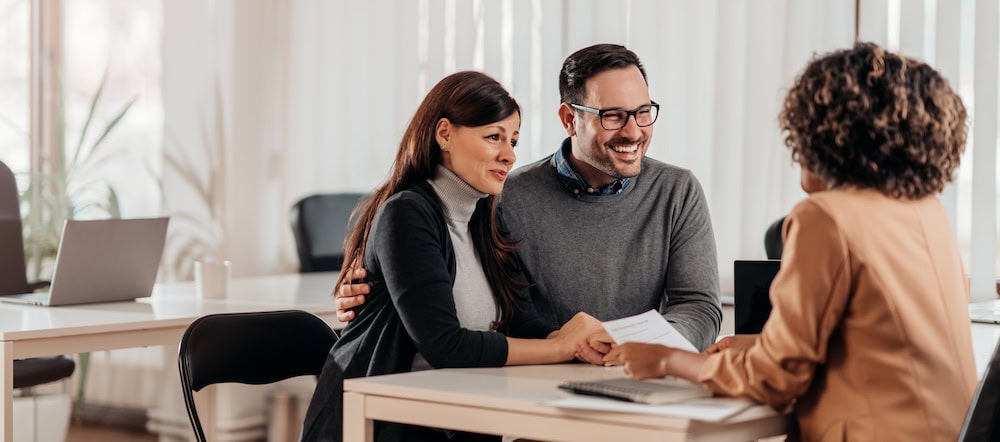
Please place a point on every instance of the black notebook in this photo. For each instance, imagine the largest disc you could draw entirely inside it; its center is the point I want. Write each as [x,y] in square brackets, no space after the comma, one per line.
[650,391]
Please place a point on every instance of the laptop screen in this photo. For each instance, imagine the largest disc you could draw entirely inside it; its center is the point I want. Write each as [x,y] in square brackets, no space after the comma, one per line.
[751,287]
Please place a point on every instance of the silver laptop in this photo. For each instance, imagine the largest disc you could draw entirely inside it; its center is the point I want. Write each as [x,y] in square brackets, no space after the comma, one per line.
[985,311]
[103,261]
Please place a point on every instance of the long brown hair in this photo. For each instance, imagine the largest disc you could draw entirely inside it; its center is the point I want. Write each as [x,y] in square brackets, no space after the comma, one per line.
[468,99]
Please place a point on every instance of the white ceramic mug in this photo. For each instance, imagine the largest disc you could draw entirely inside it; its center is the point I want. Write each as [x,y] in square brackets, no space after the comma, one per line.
[211,278]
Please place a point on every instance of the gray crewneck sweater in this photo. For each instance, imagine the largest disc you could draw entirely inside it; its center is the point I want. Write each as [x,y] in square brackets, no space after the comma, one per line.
[649,247]
[474,302]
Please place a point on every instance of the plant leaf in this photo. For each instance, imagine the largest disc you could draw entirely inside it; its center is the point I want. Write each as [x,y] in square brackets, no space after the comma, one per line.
[114,208]
[90,117]
[111,125]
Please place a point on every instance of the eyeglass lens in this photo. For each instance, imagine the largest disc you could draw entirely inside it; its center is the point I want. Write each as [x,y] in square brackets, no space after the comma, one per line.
[616,119]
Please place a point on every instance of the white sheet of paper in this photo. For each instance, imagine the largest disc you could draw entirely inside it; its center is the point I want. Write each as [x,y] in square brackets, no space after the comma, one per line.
[704,409]
[650,328]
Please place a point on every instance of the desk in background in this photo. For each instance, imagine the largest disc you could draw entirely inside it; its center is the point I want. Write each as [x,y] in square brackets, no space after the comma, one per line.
[30,331]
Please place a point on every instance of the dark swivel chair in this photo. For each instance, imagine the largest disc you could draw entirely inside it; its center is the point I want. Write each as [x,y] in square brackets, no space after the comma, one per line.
[13,280]
[773,244]
[320,223]
[982,421]
[250,348]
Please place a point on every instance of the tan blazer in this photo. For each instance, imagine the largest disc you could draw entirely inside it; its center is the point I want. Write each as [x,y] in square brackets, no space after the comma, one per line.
[869,327]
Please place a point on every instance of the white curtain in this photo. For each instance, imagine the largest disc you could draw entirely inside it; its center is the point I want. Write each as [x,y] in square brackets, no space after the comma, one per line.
[271,100]
[314,95]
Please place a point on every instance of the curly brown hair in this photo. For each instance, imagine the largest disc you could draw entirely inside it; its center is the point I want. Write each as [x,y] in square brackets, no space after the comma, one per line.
[870,118]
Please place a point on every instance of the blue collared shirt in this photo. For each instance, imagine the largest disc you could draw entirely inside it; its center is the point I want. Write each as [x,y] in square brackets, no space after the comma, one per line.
[575,183]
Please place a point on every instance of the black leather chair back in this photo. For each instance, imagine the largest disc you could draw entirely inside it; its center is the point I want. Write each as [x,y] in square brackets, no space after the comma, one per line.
[982,421]
[250,348]
[773,245]
[14,280]
[320,223]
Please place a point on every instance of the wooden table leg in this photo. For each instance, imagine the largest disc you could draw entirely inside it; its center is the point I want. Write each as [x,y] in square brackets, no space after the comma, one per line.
[357,427]
[7,404]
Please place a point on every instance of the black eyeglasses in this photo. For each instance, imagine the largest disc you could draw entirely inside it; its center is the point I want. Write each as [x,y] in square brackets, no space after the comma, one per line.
[614,119]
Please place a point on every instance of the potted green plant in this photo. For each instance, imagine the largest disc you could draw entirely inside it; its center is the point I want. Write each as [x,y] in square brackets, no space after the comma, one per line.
[65,191]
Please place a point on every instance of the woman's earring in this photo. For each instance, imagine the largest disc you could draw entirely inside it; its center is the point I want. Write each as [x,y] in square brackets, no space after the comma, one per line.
[444,148]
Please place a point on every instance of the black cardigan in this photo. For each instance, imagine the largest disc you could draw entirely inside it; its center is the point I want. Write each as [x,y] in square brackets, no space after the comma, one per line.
[411,271]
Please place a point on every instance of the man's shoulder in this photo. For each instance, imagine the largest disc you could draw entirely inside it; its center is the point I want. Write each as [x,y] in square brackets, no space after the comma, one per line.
[658,170]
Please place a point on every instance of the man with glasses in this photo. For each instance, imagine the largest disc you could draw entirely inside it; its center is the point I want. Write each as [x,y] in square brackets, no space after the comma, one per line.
[601,228]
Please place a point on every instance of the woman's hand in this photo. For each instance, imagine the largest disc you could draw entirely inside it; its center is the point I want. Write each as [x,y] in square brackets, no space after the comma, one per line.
[644,361]
[577,330]
[736,342]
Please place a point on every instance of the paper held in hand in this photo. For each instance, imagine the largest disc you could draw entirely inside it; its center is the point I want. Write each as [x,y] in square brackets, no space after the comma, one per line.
[650,328]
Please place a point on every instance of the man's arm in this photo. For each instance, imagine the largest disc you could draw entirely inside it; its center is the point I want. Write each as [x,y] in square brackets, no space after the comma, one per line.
[691,299]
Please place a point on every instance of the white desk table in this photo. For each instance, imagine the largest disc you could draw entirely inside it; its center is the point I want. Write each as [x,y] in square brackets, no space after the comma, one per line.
[508,401]
[29,331]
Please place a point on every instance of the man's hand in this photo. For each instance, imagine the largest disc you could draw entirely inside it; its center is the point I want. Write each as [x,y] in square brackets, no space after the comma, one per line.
[351,294]
[736,342]
[594,348]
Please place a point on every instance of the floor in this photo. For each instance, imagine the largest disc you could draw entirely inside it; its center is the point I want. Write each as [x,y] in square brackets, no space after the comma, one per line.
[90,433]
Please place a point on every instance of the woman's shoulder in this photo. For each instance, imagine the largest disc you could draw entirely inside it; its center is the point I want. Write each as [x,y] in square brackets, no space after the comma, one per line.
[409,207]
[413,198]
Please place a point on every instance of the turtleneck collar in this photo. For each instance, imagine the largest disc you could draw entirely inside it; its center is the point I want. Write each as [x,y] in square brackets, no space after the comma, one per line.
[458,197]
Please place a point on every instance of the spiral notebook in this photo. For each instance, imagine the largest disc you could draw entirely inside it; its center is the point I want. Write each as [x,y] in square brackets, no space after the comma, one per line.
[650,391]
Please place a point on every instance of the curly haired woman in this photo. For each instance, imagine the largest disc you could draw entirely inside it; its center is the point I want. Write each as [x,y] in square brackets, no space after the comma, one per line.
[869,332]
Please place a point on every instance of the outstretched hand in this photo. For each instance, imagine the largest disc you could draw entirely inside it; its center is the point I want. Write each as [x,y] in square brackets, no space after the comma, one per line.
[644,361]
[351,294]
[736,342]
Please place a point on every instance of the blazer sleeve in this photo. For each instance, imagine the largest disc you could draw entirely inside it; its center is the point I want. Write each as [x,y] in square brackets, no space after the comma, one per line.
[808,296]
[409,248]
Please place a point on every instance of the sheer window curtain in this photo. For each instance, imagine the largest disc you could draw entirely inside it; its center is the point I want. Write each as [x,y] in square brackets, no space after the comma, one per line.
[358,70]
[280,99]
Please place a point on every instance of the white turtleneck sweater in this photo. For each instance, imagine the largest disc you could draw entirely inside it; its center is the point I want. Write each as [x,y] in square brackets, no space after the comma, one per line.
[474,302]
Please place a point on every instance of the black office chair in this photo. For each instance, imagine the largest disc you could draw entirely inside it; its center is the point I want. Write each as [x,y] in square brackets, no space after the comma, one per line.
[982,421]
[250,348]
[320,223]
[773,244]
[14,279]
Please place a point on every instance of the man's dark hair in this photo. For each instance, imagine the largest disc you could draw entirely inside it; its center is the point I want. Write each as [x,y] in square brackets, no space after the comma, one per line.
[590,61]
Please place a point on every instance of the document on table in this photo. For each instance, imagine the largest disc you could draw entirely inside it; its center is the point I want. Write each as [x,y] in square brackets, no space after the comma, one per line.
[650,328]
[703,409]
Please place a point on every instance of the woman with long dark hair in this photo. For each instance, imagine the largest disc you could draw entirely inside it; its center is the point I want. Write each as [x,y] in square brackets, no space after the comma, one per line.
[445,284]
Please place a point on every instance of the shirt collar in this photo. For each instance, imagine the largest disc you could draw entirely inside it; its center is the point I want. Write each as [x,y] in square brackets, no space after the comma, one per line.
[575,183]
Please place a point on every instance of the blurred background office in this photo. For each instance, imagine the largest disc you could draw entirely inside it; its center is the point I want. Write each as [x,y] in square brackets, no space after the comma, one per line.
[223,113]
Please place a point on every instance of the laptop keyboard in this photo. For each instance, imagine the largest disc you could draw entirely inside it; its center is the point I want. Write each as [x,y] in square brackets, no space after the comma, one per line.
[985,311]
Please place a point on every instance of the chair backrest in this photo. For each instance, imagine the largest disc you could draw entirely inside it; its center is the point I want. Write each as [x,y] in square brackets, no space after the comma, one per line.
[320,223]
[13,278]
[250,348]
[773,245]
[982,421]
